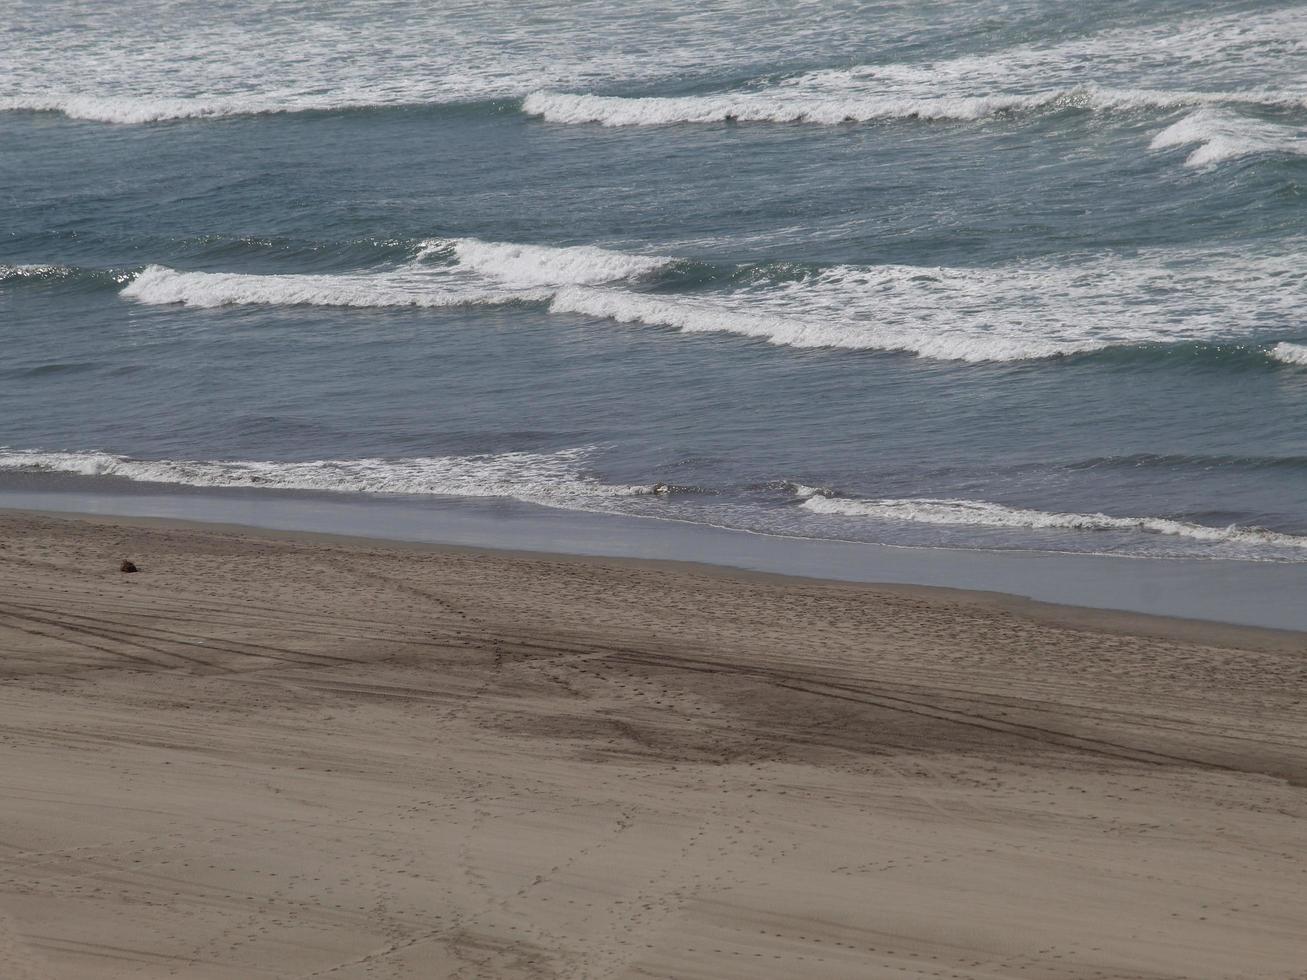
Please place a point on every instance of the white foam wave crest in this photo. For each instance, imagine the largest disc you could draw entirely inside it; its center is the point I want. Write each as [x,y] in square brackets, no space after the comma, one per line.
[1222,135]
[1009,313]
[475,273]
[977,513]
[563,107]
[795,103]
[135,110]
[544,265]
[553,478]
[1287,353]
[410,287]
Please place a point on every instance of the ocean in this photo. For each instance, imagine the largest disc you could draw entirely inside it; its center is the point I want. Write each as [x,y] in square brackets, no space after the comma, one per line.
[1000,275]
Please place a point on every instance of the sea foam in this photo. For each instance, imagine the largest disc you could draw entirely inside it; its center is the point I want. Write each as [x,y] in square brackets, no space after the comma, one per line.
[199,62]
[204,61]
[553,478]
[978,513]
[1241,59]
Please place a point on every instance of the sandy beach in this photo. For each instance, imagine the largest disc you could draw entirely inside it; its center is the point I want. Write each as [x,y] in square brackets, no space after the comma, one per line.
[276,755]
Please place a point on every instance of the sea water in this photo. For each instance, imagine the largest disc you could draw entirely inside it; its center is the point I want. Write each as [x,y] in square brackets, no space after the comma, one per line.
[1017,275]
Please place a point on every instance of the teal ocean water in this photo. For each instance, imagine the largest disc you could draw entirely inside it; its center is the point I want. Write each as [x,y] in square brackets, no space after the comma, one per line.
[1017,275]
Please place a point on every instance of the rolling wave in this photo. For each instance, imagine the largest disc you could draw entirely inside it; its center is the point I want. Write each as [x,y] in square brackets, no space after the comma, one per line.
[550,478]
[55,274]
[1041,309]
[25,273]
[978,513]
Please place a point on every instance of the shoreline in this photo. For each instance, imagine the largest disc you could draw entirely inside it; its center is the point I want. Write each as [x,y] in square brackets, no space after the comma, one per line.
[1126,622]
[1224,592]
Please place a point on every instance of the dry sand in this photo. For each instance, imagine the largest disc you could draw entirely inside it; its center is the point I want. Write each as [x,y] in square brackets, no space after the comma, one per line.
[276,756]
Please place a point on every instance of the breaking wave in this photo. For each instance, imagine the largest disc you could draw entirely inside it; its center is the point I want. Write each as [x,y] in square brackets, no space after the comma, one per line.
[1286,353]
[977,513]
[1221,135]
[158,284]
[474,273]
[784,104]
[544,265]
[548,478]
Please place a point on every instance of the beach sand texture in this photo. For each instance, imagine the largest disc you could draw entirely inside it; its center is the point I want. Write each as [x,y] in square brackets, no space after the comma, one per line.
[277,756]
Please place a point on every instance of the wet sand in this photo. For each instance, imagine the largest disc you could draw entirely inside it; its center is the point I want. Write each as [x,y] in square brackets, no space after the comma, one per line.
[281,755]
